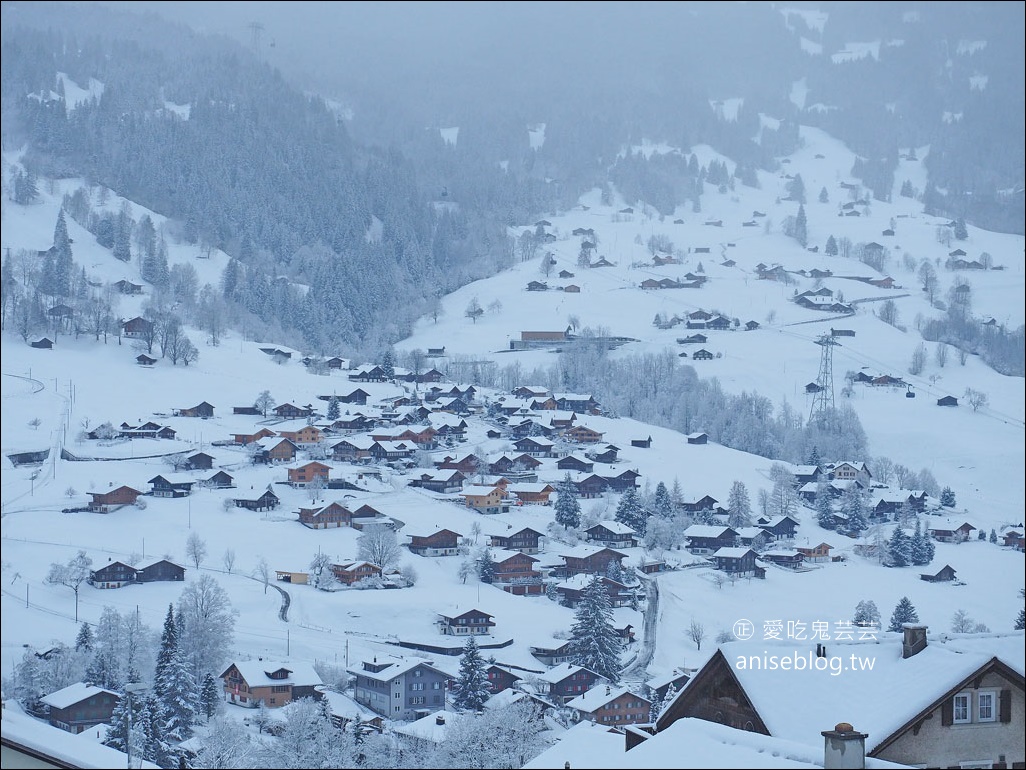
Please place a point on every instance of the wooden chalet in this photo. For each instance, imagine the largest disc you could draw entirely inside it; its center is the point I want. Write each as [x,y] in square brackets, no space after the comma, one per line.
[352,572]
[739,561]
[161,571]
[612,534]
[943,575]
[565,682]
[251,438]
[582,434]
[105,502]
[200,461]
[514,573]
[202,409]
[573,462]
[610,706]
[531,494]
[442,542]
[525,540]
[485,499]
[268,501]
[273,684]
[709,538]
[792,559]
[289,411]
[949,531]
[171,486]
[309,473]
[815,553]
[114,574]
[472,622]
[75,709]
[590,560]
[329,516]
[220,480]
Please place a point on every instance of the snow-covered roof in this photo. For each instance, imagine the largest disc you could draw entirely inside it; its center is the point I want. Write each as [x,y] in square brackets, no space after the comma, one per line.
[477,489]
[597,697]
[558,673]
[705,530]
[853,696]
[708,745]
[74,693]
[584,551]
[389,672]
[430,728]
[732,553]
[255,672]
[616,527]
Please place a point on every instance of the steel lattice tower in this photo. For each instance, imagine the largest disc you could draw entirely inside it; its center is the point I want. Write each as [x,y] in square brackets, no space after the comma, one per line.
[823,401]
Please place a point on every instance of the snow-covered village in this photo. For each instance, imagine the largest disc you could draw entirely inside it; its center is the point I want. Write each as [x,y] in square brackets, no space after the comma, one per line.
[329,442]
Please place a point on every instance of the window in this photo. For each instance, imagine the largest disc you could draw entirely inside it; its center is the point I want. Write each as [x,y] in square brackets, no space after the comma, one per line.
[418,700]
[963,708]
[417,686]
[436,685]
[398,695]
[418,673]
[986,706]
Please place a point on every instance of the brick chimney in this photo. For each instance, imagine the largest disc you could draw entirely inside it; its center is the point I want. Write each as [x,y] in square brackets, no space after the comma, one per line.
[914,639]
[844,748]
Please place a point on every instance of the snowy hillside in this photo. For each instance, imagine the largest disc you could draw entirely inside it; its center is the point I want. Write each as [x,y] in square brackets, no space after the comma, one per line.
[50,397]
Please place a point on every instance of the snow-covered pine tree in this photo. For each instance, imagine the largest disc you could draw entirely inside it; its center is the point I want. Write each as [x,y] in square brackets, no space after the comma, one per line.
[824,506]
[919,546]
[630,512]
[63,263]
[662,505]
[993,535]
[568,509]
[595,644]
[899,549]
[472,687]
[866,614]
[173,686]
[853,505]
[84,640]
[947,498]
[210,696]
[388,364]
[486,566]
[904,612]
[739,506]
[333,408]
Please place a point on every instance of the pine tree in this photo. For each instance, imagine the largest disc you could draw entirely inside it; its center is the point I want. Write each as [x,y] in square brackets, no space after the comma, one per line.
[801,231]
[993,536]
[853,506]
[831,247]
[388,364]
[472,687]
[866,614]
[739,506]
[919,548]
[630,512]
[824,196]
[904,612]
[333,408]
[947,498]
[662,505]
[210,696]
[1020,620]
[813,457]
[84,640]
[899,548]
[152,724]
[486,566]
[595,644]
[824,506]
[568,509]
[63,264]
[173,686]
[123,236]
[961,233]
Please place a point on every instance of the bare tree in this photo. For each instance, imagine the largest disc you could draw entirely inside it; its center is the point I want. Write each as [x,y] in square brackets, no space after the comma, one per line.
[918,359]
[264,402]
[195,549]
[941,354]
[378,545]
[473,310]
[696,632]
[315,488]
[263,572]
[976,399]
[229,560]
[71,575]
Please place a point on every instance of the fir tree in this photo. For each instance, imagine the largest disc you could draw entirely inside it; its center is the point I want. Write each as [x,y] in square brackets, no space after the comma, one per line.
[961,233]
[947,498]
[866,614]
[739,506]
[904,612]
[662,505]
[486,566]
[899,548]
[595,644]
[824,196]
[333,408]
[919,547]
[1020,620]
[824,506]
[831,247]
[630,512]
[63,263]
[801,231]
[84,640]
[813,457]
[152,726]
[210,696]
[388,364]
[123,236]
[568,509]
[472,687]
[853,506]
[993,535]
[173,686]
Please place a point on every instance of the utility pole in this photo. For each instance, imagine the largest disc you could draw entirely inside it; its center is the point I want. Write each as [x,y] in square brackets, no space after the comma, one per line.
[823,400]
